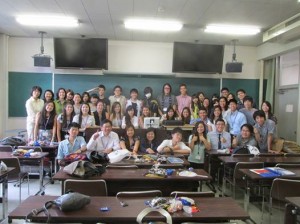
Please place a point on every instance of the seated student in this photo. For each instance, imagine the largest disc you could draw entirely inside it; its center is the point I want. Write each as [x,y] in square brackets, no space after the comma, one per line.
[130,118]
[186,115]
[264,131]
[93,102]
[203,117]
[45,124]
[116,115]
[245,138]
[170,115]
[135,102]
[84,119]
[198,142]
[105,140]
[130,141]
[100,114]
[73,144]
[174,145]
[267,108]
[149,143]
[63,121]
[248,109]
[220,139]
[145,113]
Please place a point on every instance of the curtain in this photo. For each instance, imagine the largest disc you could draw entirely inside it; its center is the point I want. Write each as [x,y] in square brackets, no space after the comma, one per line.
[269,74]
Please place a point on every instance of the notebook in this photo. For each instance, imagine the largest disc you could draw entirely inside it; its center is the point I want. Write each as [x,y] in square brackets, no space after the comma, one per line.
[272,172]
[175,160]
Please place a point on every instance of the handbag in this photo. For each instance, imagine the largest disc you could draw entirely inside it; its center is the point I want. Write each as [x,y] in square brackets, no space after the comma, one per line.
[97,157]
[71,201]
[72,157]
[118,155]
[83,169]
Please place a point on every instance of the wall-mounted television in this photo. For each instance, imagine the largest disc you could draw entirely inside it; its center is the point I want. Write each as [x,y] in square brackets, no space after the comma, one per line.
[197,58]
[80,53]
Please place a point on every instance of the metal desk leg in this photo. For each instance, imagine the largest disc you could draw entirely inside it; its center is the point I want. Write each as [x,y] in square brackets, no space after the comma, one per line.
[41,190]
[4,198]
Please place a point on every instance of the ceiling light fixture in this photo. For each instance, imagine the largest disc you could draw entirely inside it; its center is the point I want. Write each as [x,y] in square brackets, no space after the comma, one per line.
[231,29]
[47,21]
[153,25]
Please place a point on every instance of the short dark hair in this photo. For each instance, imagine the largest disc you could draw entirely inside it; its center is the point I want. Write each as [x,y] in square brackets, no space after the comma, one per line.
[148,89]
[36,88]
[105,121]
[94,95]
[240,90]
[101,87]
[259,113]
[220,120]
[249,126]
[248,98]
[224,88]
[177,130]
[182,84]
[73,125]
[232,101]
[117,86]
[150,130]
[134,91]
[167,84]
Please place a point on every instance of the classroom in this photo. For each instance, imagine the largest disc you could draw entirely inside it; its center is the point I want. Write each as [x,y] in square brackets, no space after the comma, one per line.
[137,59]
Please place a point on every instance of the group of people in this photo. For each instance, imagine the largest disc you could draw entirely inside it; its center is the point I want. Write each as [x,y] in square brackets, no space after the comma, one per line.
[220,121]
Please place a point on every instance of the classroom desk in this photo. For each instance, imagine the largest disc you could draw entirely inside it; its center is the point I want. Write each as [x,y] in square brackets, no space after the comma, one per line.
[292,209]
[186,127]
[254,179]
[3,180]
[268,160]
[211,210]
[134,180]
[38,159]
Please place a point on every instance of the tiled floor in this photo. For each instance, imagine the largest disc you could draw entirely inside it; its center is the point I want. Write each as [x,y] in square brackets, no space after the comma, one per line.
[54,189]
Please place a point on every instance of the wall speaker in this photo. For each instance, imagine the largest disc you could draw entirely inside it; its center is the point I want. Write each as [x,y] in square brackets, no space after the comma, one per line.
[41,61]
[234,67]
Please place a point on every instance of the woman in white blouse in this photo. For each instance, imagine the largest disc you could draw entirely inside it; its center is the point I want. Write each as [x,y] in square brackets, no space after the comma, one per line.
[84,119]
[129,118]
[33,105]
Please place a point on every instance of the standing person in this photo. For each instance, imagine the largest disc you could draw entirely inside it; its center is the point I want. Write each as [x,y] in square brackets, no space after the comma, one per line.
[248,109]
[150,102]
[48,95]
[130,118]
[224,92]
[203,117]
[105,100]
[215,115]
[220,139]
[84,119]
[130,141]
[183,100]
[33,106]
[224,106]
[195,106]
[235,119]
[93,102]
[186,115]
[201,97]
[264,131]
[245,138]
[135,102]
[267,108]
[100,114]
[118,97]
[64,120]
[77,103]
[85,97]
[73,144]
[116,115]
[166,99]
[105,140]
[240,95]
[70,95]
[149,143]
[45,124]
[145,113]
[198,142]
[60,100]
[206,105]
[174,145]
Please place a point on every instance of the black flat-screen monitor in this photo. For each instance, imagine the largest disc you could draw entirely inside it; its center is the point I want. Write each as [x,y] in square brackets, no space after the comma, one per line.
[80,53]
[197,58]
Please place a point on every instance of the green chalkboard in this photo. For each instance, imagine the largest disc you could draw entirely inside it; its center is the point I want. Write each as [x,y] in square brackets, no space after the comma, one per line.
[19,89]
[251,86]
[81,83]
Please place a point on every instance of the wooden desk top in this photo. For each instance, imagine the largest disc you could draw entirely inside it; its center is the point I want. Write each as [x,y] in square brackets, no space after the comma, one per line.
[5,173]
[213,152]
[112,174]
[9,155]
[210,209]
[254,176]
[186,127]
[265,159]
[294,200]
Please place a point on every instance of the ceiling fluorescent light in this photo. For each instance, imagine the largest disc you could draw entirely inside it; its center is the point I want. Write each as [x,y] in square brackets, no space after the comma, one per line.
[231,29]
[47,21]
[154,25]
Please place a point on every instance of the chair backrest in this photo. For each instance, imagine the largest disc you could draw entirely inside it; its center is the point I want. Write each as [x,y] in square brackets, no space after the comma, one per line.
[6,148]
[282,188]
[110,166]
[151,193]
[269,155]
[292,154]
[87,187]
[242,155]
[288,165]
[13,162]
[192,194]
[237,174]
[146,211]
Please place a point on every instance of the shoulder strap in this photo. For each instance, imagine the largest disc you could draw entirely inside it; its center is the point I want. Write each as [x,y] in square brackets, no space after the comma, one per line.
[44,209]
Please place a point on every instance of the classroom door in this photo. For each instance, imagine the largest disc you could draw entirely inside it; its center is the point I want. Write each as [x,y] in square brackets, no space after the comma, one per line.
[287,113]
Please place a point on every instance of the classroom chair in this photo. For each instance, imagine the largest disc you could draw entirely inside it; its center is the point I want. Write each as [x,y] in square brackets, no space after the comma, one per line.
[150,193]
[87,187]
[146,211]
[288,165]
[6,148]
[192,194]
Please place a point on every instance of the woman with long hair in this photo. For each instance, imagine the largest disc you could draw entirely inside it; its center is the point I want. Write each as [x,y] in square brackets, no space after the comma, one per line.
[195,106]
[215,115]
[100,114]
[145,113]
[63,121]
[130,118]
[130,141]
[198,142]
[186,115]
[116,115]
[77,103]
[84,118]
[149,143]
[60,100]
[267,108]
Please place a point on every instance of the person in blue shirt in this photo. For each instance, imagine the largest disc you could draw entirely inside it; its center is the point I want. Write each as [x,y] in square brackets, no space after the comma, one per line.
[74,144]
[235,119]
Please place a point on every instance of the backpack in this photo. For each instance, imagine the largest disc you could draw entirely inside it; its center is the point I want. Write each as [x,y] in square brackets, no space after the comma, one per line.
[12,141]
[83,169]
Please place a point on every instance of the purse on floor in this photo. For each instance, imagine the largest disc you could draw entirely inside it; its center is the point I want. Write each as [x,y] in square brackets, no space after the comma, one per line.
[71,201]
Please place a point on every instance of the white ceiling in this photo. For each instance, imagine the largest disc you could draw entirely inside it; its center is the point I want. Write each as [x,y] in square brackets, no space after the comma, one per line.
[105,18]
